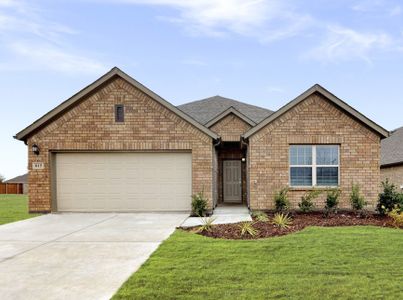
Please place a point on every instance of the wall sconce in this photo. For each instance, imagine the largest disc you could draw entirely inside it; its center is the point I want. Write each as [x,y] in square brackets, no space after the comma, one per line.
[35,149]
[243,159]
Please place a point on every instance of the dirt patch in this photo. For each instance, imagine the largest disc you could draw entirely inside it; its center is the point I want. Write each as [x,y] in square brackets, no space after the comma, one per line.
[299,222]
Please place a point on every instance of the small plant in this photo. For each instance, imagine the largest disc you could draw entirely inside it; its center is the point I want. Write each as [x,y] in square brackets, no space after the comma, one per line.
[260,216]
[207,224]
[247,228]
[281,220]
[306,204]
[199,204]
[281,200]
[357,200]
[332,201]
[397,216]
[389,198]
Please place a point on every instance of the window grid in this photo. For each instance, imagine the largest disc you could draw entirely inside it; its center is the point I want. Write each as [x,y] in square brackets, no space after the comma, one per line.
[314,167]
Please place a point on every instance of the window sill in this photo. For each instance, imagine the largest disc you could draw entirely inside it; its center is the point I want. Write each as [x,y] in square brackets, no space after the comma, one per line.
[311,188]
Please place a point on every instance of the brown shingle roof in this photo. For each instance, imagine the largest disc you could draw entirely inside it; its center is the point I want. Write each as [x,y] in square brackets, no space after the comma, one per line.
[392,148]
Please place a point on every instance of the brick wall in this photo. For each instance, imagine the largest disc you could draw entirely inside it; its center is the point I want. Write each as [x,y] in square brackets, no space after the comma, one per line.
[90,125]
[230,128]
[394,174]
[313,121]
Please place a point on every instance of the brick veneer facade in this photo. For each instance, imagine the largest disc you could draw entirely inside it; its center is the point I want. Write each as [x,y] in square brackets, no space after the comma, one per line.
[230,128]
[90,126]
[394,174]
[313,121]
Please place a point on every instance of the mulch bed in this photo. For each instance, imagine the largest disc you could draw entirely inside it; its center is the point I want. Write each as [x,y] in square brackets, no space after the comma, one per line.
[299,222]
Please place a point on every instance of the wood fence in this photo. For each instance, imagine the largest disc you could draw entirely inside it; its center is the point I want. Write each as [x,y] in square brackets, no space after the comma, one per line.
[11,188]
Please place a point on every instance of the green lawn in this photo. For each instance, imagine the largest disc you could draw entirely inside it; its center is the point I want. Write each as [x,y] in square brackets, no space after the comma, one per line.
[316,263]
[14,208]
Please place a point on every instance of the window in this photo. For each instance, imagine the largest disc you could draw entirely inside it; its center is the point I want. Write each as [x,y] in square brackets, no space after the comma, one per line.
[119,113]
[314,165]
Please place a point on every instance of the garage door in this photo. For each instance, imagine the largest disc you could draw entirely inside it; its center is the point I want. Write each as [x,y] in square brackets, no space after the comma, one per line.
[123,181]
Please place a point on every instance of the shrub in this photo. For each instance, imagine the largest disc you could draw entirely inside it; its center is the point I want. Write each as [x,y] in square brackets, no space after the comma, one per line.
[260,216]
[207,224]
[397,216]
[199,204]
[306,204]
[332,201]
[247,228]
[389,198]
[281,220]
[281,200]
[357,200]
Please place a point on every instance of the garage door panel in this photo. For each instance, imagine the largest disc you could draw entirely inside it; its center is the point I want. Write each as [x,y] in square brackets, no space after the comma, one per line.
[123,181]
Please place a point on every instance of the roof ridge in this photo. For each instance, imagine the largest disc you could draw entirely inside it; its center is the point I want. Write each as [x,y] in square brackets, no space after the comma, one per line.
[226,98]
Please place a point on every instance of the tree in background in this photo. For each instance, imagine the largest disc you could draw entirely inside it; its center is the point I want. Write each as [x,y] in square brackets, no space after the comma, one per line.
[2,178]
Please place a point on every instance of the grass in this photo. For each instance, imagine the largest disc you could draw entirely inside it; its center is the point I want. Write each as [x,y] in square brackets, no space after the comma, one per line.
[14,208]
[362,262]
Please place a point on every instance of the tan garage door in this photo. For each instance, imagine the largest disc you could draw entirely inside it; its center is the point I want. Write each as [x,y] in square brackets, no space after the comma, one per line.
[123,181]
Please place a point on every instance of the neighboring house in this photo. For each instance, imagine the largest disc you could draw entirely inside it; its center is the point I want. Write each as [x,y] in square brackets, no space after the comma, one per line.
[118,146]
[392,158]
[23,180]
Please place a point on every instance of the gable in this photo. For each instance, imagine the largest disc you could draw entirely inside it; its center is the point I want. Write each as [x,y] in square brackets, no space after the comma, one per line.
[341,105]
[230,127]
[315,120]
[67,105]
[93,119]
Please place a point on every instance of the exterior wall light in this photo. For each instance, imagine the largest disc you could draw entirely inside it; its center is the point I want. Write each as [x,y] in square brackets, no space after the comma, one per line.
[243,159]
[35,149]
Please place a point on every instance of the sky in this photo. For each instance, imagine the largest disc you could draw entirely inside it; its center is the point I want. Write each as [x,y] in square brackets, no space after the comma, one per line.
[262,52]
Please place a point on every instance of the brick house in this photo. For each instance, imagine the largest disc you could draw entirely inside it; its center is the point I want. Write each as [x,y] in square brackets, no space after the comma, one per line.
[118,146]
[392,158]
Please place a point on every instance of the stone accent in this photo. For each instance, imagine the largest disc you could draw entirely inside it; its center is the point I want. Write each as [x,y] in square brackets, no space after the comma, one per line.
[314,121]
[91,126]
[394,174]
[230,128]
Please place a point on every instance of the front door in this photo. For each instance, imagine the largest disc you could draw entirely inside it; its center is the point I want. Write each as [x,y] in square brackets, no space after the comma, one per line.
[232,181]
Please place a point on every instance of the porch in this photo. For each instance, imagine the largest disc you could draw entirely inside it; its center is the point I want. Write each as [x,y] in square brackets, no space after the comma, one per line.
[231,175]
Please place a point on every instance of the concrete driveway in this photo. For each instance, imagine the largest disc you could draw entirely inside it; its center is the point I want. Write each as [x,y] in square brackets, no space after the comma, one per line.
[77,255]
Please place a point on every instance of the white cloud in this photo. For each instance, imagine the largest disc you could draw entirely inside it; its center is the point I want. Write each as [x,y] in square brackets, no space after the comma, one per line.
[344,44]
[29,40]
[45,55]
[378,7]
[266,20]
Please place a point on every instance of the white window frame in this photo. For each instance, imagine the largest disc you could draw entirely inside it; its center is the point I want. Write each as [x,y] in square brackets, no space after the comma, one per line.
[314,167]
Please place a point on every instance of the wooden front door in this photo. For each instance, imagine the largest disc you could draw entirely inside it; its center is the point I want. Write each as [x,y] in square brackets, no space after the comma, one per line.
[232,181]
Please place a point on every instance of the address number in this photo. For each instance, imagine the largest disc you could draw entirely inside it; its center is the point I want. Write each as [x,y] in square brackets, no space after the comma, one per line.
[38,166]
